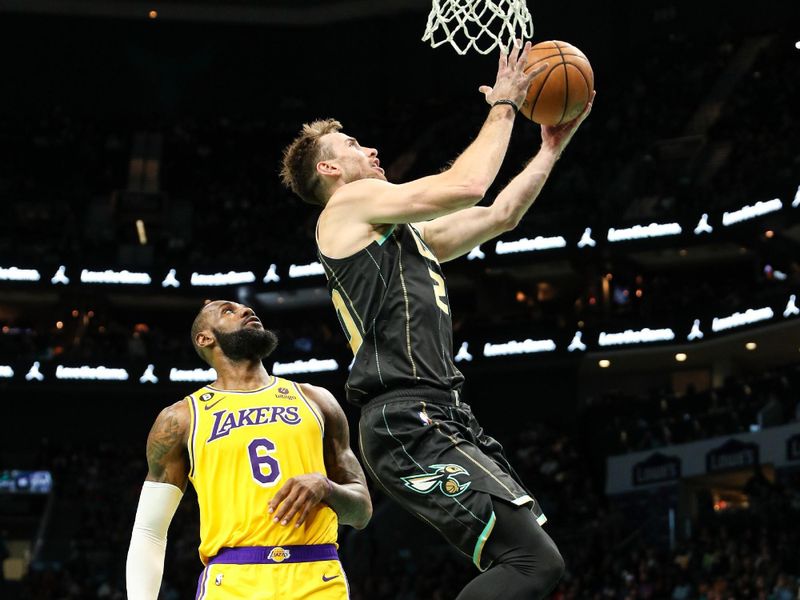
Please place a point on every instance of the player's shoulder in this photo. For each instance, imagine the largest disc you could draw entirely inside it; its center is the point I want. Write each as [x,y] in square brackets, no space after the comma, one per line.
[356,190]
[195,399]
[178,407]
[205,391]
[175,417]
[315,392]
[322,398]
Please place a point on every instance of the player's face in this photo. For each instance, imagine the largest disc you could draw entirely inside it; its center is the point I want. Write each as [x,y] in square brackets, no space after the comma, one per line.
[239,332]
[228,316]
[355,161]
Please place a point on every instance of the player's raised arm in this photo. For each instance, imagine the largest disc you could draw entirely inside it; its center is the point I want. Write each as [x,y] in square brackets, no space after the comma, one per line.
[453,235]
[328,168]
[167,475]
[464,183]
[345,487]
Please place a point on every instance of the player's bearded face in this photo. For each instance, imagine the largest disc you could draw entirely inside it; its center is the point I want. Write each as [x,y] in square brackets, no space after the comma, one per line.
[248,343]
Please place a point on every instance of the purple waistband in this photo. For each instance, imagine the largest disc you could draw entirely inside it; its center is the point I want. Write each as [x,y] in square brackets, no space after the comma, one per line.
[274,555]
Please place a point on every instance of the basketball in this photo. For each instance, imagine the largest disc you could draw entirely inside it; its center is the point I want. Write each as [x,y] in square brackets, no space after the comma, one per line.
[560,93]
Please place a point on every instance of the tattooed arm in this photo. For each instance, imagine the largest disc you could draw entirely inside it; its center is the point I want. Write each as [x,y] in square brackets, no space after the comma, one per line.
[167,474]
[349,495]
[167,453]
[345,487]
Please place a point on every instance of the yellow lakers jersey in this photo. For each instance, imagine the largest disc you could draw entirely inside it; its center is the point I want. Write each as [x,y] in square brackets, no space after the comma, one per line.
[243,446]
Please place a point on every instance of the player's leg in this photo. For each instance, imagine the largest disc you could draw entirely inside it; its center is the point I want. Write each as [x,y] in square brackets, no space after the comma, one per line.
[436,462]
[423,455]
[488,447]
[319,580]
[525,563]
[421,470]
[229,582]
[520,550]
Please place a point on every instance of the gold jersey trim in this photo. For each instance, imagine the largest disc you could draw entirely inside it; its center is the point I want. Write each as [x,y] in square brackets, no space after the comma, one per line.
[320,420]
[259,390]
[192,433]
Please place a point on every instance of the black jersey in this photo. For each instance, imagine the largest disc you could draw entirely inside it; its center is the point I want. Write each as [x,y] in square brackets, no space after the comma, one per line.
[391,300]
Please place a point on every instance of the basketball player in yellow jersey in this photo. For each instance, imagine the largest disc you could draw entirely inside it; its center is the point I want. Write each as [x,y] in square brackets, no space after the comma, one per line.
[272,466]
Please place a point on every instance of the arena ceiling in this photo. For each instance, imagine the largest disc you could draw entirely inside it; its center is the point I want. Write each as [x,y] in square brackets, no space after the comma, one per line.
[286,12]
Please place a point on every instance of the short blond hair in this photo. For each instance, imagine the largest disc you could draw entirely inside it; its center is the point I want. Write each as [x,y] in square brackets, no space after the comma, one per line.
[300,158]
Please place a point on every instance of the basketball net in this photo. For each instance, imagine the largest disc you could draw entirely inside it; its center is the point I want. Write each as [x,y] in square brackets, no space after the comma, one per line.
[478,24]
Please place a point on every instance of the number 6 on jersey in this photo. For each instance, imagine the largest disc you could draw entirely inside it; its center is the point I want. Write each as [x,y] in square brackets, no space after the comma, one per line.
[266,470]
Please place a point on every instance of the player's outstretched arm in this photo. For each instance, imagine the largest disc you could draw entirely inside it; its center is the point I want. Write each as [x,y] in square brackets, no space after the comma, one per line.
[466,181]
[454,235]
[167,475]
[345,487]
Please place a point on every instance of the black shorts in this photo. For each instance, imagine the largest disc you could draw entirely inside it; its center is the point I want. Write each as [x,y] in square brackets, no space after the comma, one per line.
[426,450]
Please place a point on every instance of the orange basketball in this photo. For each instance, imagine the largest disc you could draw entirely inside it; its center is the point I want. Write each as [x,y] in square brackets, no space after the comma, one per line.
[561,92]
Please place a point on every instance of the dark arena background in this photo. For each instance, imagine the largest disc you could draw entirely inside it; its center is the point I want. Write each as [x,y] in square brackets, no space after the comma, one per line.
[635,343]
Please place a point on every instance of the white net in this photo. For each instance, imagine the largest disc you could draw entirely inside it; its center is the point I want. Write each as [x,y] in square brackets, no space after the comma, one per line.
[478,24]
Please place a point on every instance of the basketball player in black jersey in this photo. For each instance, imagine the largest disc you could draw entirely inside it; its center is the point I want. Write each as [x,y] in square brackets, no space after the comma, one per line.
[381,245]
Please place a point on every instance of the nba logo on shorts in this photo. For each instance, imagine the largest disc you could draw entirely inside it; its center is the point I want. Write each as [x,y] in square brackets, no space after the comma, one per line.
[278,554]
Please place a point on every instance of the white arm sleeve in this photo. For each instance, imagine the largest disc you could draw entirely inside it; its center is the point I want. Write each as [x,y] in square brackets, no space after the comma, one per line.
[145,567]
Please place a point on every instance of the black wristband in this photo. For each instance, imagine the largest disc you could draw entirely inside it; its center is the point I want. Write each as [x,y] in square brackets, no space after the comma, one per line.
[509,102]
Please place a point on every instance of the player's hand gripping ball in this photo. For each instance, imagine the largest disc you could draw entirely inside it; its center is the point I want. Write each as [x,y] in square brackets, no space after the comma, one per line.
[560,93]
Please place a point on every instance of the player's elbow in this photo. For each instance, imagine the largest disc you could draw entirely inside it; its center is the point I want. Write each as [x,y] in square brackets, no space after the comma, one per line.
[463,196]
[466,190]
[474,191]
[444,202]
[364,515]
[504,220]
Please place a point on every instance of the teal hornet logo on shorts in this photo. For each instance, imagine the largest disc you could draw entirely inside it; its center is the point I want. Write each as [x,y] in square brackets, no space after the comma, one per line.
[442,477]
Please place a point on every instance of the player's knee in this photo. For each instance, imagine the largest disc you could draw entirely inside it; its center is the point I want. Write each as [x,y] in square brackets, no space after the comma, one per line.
[543,567]
[552,569]
[530,556]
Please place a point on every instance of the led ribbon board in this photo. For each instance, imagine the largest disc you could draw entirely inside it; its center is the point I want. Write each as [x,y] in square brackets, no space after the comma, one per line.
[16,274]
[526,245]
[629,336]
[515,347]
[308,270]
[229,278]
[737,319]
[304,366]
[640,232]
[108,276]
[25,482]
[92,373]
[751,212]
[192,374]
[539,243]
